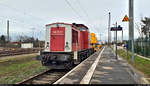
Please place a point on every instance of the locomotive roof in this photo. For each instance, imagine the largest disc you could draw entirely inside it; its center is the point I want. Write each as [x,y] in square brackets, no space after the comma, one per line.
[73,24]
[80,25]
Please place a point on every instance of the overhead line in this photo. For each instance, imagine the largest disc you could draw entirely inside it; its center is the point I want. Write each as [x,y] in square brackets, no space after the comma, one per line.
[19,21]
[85,12]
[79,16]
[73,9]
[23,24]
[22,12]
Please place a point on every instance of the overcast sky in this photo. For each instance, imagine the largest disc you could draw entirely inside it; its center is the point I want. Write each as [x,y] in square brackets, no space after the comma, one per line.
[29,17]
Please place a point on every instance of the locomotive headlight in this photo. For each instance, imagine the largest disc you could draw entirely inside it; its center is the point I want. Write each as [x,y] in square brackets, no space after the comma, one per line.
[67,46]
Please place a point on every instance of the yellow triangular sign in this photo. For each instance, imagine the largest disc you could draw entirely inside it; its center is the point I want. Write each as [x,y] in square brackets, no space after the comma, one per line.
[125,19]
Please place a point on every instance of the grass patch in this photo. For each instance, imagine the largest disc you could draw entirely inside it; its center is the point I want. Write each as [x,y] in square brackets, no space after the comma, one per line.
[17,69]
[140,64]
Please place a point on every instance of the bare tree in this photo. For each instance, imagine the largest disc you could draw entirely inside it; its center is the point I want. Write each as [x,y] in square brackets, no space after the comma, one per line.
[146,27]
[137,26]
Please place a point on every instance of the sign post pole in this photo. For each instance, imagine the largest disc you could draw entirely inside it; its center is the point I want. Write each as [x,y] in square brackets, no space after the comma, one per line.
[116,42]
[115,29]
[131,26]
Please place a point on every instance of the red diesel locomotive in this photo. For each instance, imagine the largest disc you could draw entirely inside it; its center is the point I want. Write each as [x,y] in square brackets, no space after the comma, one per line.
[65,45]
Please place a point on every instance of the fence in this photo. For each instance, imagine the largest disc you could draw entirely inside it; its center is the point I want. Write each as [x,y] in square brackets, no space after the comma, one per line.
[141,47]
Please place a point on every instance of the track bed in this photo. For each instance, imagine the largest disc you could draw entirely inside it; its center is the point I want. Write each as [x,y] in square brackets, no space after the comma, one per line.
[48,77]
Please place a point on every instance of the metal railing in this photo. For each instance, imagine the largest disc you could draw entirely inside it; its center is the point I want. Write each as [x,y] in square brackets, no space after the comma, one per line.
[141,47]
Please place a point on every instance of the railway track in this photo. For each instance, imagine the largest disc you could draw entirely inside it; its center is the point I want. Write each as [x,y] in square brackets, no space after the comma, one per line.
[47,77]
[17,52]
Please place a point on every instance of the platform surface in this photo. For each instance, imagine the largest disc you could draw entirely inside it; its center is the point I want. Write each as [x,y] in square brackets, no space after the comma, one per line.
[107,71]
[111,71]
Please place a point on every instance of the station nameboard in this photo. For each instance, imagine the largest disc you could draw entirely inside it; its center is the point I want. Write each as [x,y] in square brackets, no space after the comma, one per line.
[116,28]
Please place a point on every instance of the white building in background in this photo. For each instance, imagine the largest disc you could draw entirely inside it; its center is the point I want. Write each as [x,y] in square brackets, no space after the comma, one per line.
[26,45]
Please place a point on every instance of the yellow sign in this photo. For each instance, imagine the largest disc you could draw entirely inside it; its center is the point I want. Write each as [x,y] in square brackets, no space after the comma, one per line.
[125,19]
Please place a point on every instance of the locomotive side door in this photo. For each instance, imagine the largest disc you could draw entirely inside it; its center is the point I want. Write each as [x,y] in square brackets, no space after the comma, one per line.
[57,39]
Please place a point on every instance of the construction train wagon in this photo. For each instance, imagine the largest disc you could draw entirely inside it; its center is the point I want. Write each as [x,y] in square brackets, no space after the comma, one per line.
[65,45]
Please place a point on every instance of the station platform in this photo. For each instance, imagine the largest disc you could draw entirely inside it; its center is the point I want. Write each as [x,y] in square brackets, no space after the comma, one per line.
[100,68]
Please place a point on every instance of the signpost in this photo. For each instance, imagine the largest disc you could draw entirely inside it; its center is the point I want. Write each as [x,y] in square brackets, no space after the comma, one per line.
[116,28]
[126,19]
[131,29]
[119,28]
[131,26]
